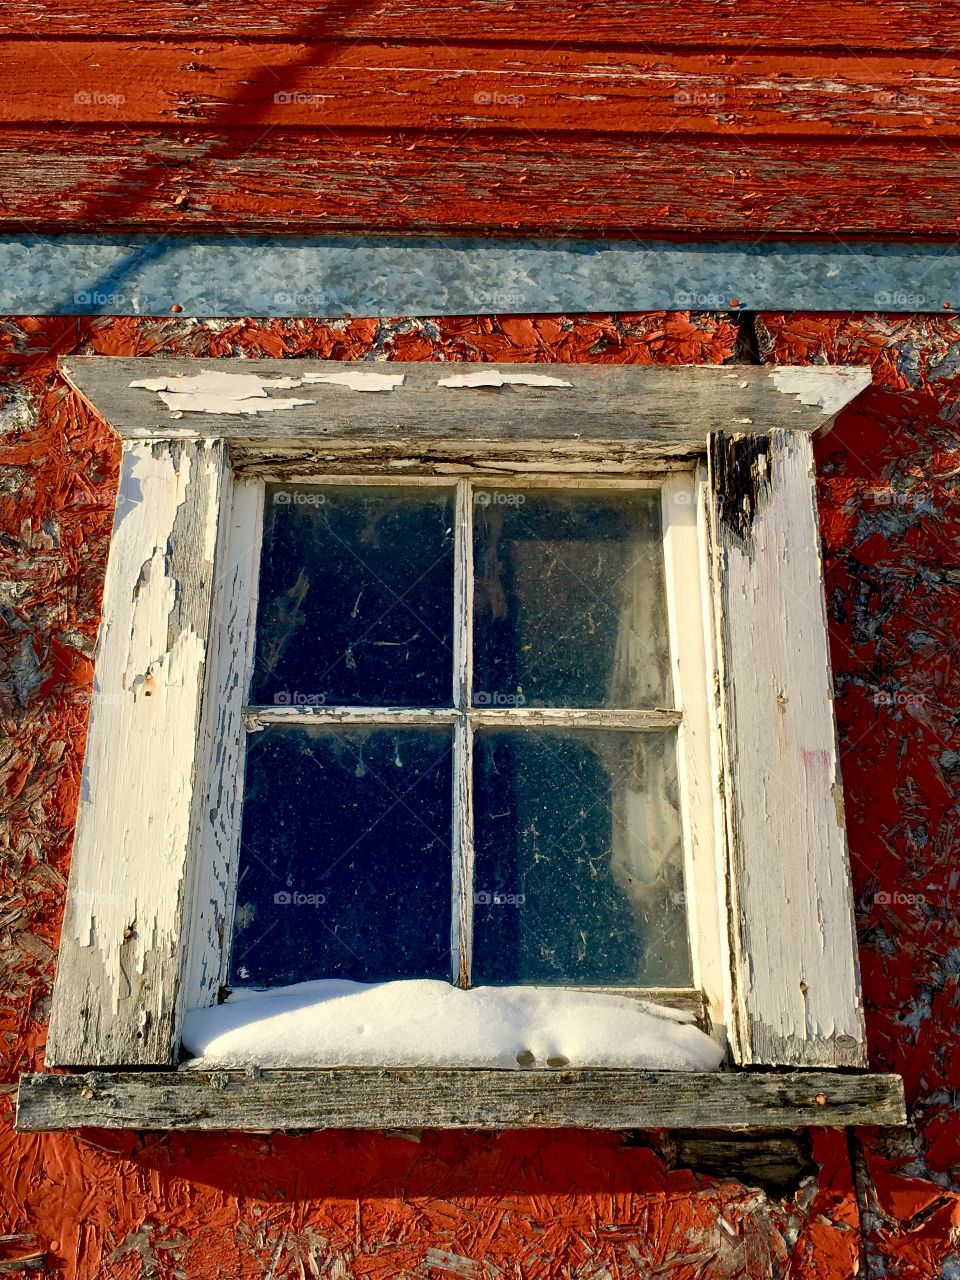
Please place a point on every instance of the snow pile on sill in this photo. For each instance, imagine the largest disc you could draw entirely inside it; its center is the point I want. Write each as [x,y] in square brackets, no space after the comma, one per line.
[424,1023]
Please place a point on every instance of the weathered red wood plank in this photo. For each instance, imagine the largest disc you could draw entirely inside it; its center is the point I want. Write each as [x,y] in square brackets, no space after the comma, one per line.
[880,24]
[364,182]
[354,84]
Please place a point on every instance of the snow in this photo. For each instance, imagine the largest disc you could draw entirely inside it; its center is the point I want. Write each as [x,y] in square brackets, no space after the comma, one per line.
[420,1023]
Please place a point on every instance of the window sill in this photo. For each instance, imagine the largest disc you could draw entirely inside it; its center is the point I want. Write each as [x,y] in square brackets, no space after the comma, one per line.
[458,1098]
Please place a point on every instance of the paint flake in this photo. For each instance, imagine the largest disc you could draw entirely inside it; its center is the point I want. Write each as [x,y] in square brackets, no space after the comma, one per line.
[829,394]
[221,393]
[246,393]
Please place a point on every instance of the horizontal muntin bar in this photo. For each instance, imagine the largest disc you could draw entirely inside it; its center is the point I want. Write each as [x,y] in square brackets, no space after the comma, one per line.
[649,721]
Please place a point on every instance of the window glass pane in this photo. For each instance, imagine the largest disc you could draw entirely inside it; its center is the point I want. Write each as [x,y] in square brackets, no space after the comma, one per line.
[345,864]
[356,596]
[579,869]
[569,599]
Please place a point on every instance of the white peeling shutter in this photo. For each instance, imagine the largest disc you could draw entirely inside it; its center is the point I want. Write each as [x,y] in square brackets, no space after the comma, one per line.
[122,946]
[792,933]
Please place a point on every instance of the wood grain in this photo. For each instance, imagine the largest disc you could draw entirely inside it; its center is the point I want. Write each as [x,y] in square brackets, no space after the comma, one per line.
[851,24]
[626,414]
[794,948]
[437,180]
[122,946]
[454,1099]
[331,85]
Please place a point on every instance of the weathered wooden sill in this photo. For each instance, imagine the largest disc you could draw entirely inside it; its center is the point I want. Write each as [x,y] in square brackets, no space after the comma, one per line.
[458,1098]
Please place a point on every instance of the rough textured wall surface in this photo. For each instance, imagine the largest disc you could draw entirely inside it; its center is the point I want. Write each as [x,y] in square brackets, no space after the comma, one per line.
[572,1205]
[627,117]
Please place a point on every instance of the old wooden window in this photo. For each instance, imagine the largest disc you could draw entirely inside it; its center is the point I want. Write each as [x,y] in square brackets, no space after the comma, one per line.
[695,709]
[464,707]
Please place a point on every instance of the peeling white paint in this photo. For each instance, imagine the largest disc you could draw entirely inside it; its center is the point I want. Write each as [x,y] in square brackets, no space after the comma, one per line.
[828,389]
[494,378]
[122,926]
[247,393]
[217,392]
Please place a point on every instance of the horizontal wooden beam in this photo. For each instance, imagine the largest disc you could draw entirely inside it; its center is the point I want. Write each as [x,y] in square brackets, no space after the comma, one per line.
[848,24]
[590,414]
[457,1099]
[421,180]
[350,84]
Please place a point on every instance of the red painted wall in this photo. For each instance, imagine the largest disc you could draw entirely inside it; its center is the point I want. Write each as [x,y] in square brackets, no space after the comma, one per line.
[563,1205]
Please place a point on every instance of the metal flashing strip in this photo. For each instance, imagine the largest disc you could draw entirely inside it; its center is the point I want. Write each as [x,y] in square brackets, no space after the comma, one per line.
[340,276]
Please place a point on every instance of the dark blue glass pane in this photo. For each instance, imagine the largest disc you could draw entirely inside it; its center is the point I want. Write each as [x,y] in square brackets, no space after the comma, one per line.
[569,599]
[345,860]
[356,597]
[579,867]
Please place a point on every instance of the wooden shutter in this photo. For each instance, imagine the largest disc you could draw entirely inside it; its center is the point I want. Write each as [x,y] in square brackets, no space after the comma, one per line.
[793,943]
[121,950]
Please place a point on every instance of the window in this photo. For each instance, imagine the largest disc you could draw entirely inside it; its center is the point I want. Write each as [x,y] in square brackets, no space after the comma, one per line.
[463,749]
[508,679]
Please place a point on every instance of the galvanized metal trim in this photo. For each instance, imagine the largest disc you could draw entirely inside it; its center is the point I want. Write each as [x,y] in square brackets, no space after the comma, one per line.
[390,276]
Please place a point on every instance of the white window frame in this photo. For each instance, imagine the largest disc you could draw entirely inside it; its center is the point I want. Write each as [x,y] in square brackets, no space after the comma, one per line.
[147,917]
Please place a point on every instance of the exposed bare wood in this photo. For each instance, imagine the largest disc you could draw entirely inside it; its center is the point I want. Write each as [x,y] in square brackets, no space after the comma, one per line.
[650,721]
[613,413]
[777,1161]
[792,930]
[255,718]
[426,180]
[454,1099]
[452,459]
[122,946]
